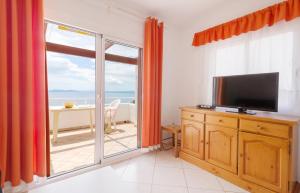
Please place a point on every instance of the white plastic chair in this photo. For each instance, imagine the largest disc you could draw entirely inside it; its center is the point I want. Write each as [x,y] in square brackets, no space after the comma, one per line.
[111,111]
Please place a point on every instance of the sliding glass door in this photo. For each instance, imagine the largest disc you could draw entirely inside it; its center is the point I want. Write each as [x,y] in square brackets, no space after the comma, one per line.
[94,98]
[121,98]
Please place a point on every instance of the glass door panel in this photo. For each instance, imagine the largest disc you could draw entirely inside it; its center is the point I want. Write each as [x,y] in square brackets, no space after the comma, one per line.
[71,70]
[121,98]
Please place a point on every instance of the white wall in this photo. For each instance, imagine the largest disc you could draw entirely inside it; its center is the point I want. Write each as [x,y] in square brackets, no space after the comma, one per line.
[173,67]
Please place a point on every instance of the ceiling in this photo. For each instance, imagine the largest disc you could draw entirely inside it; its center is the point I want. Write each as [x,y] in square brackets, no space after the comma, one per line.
[181,12]
[171,9]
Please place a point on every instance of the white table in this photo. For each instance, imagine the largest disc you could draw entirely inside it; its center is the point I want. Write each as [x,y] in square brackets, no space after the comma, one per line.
[57,111]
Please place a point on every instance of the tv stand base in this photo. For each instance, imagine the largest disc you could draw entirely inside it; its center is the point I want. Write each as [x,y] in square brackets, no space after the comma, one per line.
[241,110]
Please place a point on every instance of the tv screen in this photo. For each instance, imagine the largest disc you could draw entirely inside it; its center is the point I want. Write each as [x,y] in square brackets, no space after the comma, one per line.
[253,91]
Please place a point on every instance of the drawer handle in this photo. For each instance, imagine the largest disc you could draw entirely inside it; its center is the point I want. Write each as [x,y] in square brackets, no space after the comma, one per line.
[191,115]
[260,127]
[220,120]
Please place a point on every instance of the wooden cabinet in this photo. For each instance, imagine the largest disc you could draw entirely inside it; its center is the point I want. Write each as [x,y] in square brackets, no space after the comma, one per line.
[265,128]
[255,152]
[264,160]
[193,138]
[198,117]
[222,121]
[221,147]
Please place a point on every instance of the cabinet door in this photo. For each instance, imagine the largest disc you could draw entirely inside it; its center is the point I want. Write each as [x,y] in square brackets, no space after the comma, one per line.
[221,147]
[264,160]
[193,138]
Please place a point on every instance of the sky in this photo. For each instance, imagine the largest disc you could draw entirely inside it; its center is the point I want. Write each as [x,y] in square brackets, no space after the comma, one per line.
[68,72]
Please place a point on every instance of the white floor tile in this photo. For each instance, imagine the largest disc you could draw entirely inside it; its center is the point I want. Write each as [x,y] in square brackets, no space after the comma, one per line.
[201,179]
[100,180]
[233,192]
[155,172]
[138,172]
[167,159]
[193,190]
[229,187]
[148,158]
[168,176]
[188,165]
[168,189]
[120,167]
[135,187]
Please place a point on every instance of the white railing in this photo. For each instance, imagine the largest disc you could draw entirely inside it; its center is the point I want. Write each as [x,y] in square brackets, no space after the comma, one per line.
[125,112]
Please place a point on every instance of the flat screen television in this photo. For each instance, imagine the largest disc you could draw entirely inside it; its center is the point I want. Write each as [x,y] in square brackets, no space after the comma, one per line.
[252,91]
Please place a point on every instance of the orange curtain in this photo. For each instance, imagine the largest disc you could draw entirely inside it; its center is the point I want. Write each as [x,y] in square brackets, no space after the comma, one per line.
[152,82]
[22,91]
[286,10]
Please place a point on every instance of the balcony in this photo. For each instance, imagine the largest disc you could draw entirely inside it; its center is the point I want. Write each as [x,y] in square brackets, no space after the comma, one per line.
[75,144]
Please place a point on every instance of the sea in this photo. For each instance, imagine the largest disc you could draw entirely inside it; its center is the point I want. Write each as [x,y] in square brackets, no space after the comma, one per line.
[59,97]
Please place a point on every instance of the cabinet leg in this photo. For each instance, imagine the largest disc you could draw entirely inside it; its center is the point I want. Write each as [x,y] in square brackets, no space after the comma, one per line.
[176,144]
[173,139]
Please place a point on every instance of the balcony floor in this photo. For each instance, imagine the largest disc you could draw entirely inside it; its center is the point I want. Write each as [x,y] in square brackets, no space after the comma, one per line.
[75,148]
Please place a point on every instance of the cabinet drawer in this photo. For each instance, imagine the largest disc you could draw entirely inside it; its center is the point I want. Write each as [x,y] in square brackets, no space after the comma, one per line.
[192,116]
[266,128]
[223,121]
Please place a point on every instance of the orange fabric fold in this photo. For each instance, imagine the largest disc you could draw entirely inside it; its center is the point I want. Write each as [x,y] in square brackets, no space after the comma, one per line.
[152,82]
[22,92]
[286,10]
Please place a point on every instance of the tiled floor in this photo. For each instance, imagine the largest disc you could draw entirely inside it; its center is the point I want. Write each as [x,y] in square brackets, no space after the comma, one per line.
[76,148]
[156,172]
[161,172]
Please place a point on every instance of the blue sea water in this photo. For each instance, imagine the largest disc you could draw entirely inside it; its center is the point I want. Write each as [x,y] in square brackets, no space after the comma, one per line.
[59,97]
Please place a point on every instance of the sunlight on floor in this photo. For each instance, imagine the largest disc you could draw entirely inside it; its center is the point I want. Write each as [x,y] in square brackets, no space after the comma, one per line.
[75,148]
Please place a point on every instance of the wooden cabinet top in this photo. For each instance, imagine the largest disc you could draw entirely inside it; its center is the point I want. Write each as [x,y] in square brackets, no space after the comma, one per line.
[260,116]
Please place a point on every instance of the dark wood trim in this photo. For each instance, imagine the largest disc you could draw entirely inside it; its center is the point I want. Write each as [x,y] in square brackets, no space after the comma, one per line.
[121,59]
[52,47]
